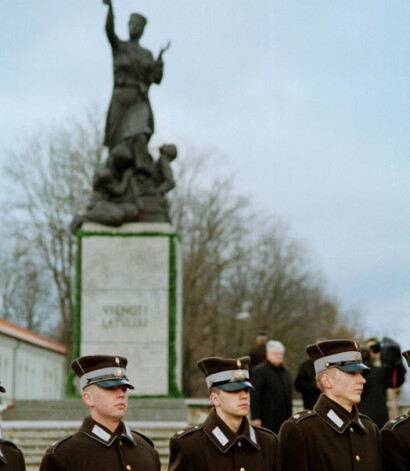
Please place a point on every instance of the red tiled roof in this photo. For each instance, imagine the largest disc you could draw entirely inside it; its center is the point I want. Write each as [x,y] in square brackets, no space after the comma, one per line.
[14,330]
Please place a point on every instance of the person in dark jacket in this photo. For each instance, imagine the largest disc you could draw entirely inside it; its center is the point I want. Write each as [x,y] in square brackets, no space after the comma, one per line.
[103,442]
[333,436]
[225,441]
[379,378]
[11,458]
[271,401]
[305,383]
[396,440]
[258,351]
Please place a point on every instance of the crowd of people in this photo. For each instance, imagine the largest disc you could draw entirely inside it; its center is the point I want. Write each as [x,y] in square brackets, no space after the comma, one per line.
[330,434]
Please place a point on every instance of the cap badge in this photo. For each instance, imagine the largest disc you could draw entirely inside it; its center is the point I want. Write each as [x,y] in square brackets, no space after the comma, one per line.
[118,374]
[357,357]
[239,375]
[238,363]
[117,360]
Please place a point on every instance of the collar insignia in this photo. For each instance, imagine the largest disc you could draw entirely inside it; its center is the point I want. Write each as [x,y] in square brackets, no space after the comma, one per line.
[335,418]
[223,440]
[101,433]
[252,434]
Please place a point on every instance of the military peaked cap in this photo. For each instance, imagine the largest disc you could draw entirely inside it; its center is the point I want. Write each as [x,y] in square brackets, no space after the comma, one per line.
[103,370]
[226,373]
[341,354]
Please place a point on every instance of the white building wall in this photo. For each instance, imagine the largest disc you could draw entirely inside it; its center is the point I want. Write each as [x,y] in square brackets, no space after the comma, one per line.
[30,372]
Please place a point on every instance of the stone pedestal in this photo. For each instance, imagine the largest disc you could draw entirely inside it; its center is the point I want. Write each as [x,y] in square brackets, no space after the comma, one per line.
[129,300]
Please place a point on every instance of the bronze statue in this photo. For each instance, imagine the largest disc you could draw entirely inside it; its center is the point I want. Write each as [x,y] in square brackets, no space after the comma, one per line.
[130,120]
[130,186]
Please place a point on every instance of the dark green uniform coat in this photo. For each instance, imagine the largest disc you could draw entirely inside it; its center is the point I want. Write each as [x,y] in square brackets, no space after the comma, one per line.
[328,438]
[95,448]
[214,447]
[396,444]
[11,458]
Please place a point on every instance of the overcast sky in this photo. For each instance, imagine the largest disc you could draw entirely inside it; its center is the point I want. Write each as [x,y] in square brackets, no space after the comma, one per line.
[306,103]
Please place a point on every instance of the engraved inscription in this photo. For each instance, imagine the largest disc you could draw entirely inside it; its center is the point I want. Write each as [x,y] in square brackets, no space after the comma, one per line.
[133,316]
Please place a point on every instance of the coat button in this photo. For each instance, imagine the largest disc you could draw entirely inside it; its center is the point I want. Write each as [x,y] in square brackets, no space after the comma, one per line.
[357,458]
[128,467]
[351,429]
[239,444]
[120,442]
[242,469]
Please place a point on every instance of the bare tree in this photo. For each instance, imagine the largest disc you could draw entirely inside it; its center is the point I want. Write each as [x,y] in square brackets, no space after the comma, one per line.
[24,288]
[236,261]
[51,181]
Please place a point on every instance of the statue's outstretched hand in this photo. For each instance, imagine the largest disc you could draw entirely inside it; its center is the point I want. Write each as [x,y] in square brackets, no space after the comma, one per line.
[161,52]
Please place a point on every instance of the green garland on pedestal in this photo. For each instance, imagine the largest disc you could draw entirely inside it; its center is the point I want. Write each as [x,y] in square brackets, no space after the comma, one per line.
[71,390]
[173,389]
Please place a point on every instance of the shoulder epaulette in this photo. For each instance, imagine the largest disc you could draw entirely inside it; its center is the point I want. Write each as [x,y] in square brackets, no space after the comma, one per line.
[8,442]
[263,429]
[147,439]
[393,423]
[54,446]
[187,431]
[302,415]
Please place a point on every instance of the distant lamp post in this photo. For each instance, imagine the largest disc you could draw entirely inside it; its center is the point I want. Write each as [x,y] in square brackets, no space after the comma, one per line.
[242,317]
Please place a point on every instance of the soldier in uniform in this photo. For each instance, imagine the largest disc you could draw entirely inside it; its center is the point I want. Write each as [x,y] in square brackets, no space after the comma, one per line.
[103,442]
[334,435]
[226,441]
[396,440]
[11,458]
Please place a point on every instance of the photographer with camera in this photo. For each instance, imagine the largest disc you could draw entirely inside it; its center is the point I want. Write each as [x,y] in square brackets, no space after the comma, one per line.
[387,371]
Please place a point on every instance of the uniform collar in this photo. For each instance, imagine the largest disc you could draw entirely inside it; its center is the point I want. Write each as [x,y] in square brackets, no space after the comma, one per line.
[101,434]
[337,416]
[223,437]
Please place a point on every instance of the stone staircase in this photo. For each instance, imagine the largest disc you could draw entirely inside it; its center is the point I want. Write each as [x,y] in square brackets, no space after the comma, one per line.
[139,409]
[34,425]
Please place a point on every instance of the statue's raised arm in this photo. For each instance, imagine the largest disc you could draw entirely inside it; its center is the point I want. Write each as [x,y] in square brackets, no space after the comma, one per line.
[109,24]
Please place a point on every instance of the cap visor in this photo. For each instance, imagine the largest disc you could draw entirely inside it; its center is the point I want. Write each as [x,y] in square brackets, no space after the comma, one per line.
[112,383]
[235,386]
[352,367]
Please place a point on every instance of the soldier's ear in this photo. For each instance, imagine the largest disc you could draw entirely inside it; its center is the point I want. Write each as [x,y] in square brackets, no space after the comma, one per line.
[214,398]
[326,381]
[88,398]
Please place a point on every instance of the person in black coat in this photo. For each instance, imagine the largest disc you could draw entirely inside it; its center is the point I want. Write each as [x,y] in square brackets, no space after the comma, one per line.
[103,442]
[395,437]
[305,383]
[226,441]
[379,378]
[271,401]
[333,436]
[258,351]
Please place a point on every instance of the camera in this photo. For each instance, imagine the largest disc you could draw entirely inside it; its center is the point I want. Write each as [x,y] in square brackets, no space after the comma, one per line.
[390,354]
